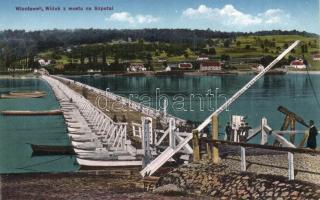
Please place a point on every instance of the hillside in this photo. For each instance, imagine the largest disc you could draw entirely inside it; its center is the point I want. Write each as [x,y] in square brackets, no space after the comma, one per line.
[79,50]
[242,52]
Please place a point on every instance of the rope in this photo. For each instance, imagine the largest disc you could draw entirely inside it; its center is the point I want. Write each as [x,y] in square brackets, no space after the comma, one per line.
[42,163]
[313,89]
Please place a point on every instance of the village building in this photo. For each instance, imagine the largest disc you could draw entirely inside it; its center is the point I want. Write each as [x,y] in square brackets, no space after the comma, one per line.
[202,57]
[43,62]
[297,64]
[210,66]
[316,56]
[136,67]
[185,65]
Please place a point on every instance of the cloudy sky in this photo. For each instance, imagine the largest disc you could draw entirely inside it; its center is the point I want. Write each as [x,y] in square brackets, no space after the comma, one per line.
[223,15]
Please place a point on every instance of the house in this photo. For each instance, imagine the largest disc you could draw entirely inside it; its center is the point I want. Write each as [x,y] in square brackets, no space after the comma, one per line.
[43,62]
[167,69]
[258,67]
[210,66]
[185,66]
[297,64]
[316,56]
[202,57]
[135,67]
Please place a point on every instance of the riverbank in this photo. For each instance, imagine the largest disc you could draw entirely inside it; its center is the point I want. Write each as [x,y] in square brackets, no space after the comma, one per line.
[183,73]
[75,186]
[264,179]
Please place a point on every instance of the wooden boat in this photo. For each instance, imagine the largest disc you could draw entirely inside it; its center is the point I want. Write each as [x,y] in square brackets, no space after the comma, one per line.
[18,95]
[28,112]
[91,163]
[52,150]
[26,93]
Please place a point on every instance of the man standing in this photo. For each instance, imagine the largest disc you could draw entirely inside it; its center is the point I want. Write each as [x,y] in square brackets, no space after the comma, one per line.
[312,139]
[228,131]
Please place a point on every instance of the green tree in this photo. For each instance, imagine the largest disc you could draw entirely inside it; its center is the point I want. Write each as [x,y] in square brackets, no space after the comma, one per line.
[238,43]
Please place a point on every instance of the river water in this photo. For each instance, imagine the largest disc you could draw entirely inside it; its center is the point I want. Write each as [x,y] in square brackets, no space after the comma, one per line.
[293,91]
[16,132]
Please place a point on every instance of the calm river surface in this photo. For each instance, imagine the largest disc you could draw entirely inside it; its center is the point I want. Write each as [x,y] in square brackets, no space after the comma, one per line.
[17,131]
[293,91]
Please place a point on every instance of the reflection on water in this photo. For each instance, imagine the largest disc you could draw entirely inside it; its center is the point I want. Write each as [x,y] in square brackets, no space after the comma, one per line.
[17,131]
[262,99]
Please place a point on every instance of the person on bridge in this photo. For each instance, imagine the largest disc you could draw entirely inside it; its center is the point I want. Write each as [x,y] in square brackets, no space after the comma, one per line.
[115,119]
[228,131]
[312,138]
[124,119]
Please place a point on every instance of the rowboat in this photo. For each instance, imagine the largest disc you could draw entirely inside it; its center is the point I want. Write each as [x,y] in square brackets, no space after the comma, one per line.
[26,93]
[20,95]
[52,150]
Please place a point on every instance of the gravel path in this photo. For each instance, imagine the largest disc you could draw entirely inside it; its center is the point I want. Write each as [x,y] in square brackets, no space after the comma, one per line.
[306,166]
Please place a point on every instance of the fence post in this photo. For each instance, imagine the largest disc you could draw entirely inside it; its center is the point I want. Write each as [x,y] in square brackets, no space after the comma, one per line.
[195,145]
[215,129]
[290,167]
[264,134]
[243,159]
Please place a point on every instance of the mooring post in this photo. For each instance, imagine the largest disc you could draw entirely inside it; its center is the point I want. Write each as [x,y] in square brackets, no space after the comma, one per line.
[215,129]
[290,167]
[243,159]
[195,145]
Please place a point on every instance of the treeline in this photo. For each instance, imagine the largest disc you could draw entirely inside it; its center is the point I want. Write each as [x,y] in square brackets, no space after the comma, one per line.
[17,45]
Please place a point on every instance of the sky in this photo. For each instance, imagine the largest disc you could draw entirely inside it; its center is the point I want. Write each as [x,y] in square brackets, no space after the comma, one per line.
[221,15]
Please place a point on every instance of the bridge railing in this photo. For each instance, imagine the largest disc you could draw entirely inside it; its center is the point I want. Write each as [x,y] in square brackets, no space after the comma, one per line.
[113,134]
[149,111]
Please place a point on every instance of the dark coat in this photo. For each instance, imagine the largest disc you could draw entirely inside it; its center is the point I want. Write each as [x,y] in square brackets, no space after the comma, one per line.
[312,139]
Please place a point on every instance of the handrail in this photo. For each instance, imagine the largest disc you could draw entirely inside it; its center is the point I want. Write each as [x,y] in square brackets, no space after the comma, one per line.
[269,147]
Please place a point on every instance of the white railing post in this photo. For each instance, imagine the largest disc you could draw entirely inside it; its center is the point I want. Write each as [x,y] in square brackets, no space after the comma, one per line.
[264,134]
[243,159]
[290,166]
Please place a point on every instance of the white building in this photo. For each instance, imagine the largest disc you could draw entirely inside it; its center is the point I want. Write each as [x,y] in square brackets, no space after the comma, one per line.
[316,56]
[298,64]
[210,66]
[201,58]
[43,62]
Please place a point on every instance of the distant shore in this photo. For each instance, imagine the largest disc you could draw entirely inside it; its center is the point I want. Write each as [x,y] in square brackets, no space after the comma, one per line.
[158,73]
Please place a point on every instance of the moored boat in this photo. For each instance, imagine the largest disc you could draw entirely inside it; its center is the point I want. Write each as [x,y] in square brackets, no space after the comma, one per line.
[20,95]
[29,112]
[52,150]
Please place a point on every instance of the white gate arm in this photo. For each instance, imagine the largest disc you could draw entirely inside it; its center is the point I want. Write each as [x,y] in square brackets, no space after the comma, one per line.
[247,86]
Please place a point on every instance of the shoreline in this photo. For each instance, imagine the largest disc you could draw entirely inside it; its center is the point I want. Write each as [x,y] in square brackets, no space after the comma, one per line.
[154,74]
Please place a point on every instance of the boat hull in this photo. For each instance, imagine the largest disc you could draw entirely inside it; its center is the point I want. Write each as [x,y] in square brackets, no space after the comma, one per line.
[51,150]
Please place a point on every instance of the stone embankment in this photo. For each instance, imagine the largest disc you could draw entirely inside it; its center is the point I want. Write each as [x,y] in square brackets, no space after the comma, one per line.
[221,182]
